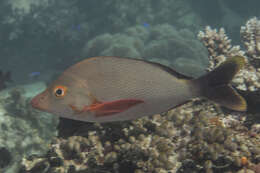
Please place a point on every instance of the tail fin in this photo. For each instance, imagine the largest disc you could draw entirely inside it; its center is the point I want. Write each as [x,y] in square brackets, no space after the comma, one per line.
[215,85]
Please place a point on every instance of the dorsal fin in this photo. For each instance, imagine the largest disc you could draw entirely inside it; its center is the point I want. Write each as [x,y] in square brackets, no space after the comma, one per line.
[161,66]
[170,70]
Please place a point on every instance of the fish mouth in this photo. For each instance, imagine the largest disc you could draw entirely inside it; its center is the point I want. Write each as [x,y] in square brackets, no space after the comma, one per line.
[35,103]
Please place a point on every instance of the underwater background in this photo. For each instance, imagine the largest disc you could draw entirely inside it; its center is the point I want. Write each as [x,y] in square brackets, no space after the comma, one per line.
[39,39]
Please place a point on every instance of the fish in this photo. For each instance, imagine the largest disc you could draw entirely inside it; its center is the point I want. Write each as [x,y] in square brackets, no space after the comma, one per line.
[146,25]
[76,27]
[34,74]
[107,88]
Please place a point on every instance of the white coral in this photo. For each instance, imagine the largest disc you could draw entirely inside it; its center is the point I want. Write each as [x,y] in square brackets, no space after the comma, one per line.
[250,34]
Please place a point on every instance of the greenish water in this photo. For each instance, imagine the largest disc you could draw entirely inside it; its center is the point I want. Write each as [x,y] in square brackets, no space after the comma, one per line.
[39,39]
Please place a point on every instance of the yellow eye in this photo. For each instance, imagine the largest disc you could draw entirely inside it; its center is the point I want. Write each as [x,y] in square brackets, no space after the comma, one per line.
[60,91]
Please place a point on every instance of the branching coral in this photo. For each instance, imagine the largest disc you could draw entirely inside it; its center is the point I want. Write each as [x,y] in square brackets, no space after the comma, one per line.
[219,47]
[250,34]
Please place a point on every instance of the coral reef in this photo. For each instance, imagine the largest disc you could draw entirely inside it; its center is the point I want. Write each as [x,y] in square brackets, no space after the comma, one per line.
[219,48]
[39,32]
[247,81]
[218,45]
[24,131]
[160,43]
[192,138]
[250,34]
[116,45]
[138,146]
[196,137]
[56,31]
[218,142]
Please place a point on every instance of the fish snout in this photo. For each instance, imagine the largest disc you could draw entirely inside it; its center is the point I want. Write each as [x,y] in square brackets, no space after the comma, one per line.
[37,101]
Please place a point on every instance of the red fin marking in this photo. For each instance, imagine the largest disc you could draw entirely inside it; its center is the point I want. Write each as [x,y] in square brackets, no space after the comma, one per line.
[113,107]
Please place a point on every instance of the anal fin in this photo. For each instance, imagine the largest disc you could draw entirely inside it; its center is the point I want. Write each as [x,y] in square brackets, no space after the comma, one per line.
[225,95]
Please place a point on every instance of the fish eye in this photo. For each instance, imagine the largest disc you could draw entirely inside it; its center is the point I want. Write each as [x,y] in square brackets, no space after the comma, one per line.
[60,91]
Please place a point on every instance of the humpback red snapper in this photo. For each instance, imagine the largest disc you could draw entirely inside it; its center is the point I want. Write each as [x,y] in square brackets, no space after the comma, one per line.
[102,89]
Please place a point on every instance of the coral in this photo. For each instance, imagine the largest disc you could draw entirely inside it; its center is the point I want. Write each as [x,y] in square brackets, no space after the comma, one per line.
[196,137]
[177,48]
[25,5]
[250,34]
[172,142]
[167,42]
[139,146]
[56,31]
[257,168]
[255,128]
[245,170]
[114,45]
[219,47]
[217,148]
[24,131]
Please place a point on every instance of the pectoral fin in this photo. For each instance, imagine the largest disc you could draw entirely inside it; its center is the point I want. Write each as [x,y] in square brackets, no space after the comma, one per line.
[108,108]
[113,107]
